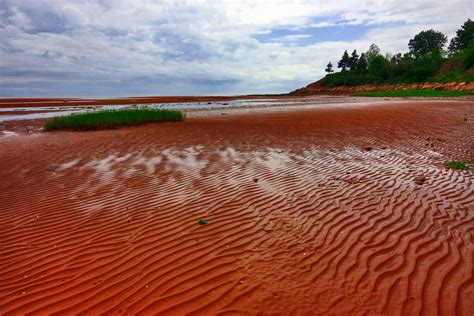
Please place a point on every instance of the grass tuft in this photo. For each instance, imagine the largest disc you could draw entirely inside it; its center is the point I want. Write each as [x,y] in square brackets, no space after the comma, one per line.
[413,93]
[202,221]
[111,119]
[460,165]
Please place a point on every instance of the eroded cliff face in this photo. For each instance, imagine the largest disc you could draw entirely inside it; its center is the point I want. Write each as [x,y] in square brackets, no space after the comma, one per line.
[315,88]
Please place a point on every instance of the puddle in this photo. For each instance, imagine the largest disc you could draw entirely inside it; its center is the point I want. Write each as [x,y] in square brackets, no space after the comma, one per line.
[184,159]
[9,134]
[273,158]
[68,165]
[149,163]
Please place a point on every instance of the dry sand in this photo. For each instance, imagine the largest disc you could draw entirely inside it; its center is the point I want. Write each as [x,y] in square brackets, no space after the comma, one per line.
[314,211]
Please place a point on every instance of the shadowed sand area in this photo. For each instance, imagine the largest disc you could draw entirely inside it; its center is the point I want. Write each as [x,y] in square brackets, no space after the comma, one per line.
[310,211]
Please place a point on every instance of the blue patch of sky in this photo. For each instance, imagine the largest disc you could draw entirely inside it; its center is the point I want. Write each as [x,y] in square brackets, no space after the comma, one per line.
[40,21]
[304,36]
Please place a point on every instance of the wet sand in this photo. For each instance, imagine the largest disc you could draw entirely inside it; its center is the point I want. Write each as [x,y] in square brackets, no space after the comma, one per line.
[310,211]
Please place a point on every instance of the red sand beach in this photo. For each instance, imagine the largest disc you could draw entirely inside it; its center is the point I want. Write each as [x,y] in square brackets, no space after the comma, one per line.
[310,211]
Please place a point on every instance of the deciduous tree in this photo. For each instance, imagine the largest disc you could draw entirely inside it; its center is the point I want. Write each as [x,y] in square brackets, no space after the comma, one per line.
[427,41]
[463,36]
[373,51]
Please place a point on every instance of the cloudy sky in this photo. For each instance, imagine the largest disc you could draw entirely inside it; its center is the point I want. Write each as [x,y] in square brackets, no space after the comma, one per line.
[147,47]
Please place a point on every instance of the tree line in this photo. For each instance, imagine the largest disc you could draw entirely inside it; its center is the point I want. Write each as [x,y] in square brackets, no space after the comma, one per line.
[421,63]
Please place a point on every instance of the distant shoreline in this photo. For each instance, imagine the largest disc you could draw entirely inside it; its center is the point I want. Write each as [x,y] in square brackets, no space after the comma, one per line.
[44,102]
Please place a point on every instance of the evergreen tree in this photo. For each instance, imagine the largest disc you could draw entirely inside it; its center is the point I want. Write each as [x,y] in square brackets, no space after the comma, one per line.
[362,64]
[329,68]
[463,36]
[353,60]
[344,62]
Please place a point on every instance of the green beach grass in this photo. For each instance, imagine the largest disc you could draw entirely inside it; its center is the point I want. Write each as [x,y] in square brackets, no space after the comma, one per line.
[413,93]
[460,165]
[111,119]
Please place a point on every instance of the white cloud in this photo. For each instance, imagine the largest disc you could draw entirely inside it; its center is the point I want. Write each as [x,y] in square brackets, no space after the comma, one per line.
[322,24]
[118,47]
